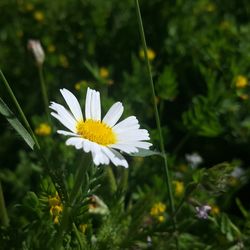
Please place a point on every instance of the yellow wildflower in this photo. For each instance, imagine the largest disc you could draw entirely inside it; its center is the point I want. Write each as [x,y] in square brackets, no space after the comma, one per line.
[210,7]
[157,209]
[241,82]
[179,188]
[56,207]
[83,227]
[161,218]
[43,129]
[38,16]
[78,86]
[215,210]
[56,220]
[29,7]
[104,73]
[81,84]
[150,52]
[64,61]
[51,48]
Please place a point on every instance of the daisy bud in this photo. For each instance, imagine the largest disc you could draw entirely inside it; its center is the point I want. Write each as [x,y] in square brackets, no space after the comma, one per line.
[36,48]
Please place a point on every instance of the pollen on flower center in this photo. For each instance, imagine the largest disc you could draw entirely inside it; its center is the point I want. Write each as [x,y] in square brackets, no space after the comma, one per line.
[96,131]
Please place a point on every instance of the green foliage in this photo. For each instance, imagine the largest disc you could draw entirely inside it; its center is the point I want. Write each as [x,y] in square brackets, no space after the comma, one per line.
[166,86]
[14,122]
[201,49]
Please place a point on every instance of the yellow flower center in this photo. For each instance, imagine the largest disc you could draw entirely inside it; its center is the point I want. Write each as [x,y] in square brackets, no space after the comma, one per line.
[96,131]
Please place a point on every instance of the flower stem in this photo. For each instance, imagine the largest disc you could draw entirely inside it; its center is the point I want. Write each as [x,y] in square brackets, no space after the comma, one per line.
[3,211]
[78,236]
[157,117]
[44,90]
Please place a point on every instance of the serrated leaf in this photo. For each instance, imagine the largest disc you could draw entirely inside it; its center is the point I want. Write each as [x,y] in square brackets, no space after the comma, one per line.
[166,85]
[145,152]
[15,123]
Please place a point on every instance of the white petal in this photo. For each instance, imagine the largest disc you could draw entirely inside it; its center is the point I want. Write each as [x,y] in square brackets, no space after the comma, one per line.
[86,146]
[98,155]
[75,141]
[125,148]
[87,104]
[128,122]
[136,135]
[73,104]
[63,132]
[96,151]
[115,157]
[114,114]
[138,144]
[120,130]
[96,106]
[65,118]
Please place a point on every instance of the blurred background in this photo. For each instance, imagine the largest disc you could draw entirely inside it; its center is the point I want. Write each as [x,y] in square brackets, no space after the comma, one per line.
[200,56]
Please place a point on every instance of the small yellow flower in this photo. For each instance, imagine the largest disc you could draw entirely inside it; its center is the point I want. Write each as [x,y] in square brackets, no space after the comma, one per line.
[179,188]
[56,219]
[78,86]
[81,84]
[83,227]
[51,48]
[56,207]
[215,210]
[54,200]
[210,7]
[38,16]
[157,209]
[56,210]
[64,61]
[29,7]
[161,218]
[241,82]
[43,129]
[150,52]
[104,73]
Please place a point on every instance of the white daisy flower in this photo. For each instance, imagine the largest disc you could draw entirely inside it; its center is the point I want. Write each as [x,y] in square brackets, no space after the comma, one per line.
[101,137]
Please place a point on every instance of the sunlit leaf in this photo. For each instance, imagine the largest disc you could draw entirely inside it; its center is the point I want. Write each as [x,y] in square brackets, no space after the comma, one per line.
[14,122]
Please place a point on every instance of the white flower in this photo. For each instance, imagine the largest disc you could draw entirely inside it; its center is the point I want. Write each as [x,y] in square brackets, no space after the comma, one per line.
[100,137]
[36,48]
[194,159]
[202,211]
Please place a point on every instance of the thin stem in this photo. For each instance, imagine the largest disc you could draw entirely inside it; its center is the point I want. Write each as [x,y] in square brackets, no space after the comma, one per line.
[157,117]
[44,91]
[3,211]
[28,127]
[78,236]
[22,115]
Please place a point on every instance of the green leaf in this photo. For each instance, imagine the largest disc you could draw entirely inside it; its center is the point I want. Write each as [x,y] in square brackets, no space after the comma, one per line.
[166,85]
[14,122]
[202,118]
[145,153]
